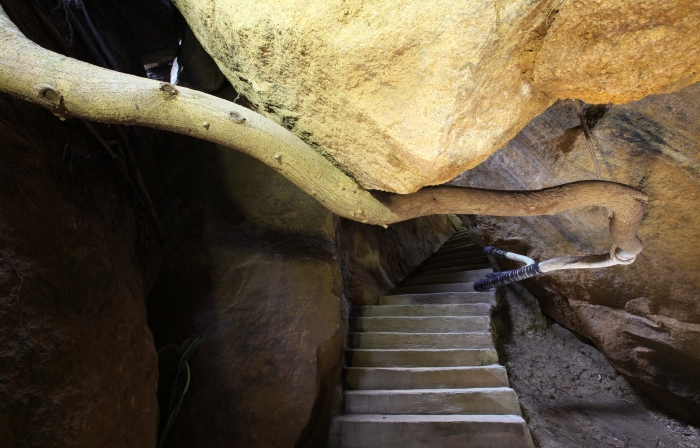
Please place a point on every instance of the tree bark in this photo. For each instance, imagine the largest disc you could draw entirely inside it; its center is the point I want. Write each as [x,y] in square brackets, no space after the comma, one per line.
[71,88]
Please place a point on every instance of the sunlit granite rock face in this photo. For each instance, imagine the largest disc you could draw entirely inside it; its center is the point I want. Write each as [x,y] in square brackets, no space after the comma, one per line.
[404,94]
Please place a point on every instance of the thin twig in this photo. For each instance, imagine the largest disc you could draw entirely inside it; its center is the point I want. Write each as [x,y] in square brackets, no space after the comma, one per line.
[113,63]
[70,167]
[118,160]
[139,178]
[25,195]
[85,38]
[51,27]
[61,4]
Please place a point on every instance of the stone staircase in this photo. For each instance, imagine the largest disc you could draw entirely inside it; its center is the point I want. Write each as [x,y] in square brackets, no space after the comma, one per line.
[421,367]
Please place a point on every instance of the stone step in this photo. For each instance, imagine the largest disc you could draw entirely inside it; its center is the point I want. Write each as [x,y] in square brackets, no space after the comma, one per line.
[494,401]
[420,324]
[457,249]
[460,256]
[454,269]
[469,262]
[392,378]
[429,431]
[426,289]
[420,340]
[462,309]
[439,298]
[457,238]
[461,241]
[454,277]
[420,357]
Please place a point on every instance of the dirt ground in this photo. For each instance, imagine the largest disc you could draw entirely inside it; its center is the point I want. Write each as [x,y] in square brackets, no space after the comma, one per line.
[569,393]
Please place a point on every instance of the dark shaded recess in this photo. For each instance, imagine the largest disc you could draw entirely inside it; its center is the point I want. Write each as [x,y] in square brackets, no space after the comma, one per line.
[114,38]
[197,69]
[114,29]
[188,199]
[200,217]
[70,230]
[77,260]
[82,169]
[22,15]
[157,27]
[592,113]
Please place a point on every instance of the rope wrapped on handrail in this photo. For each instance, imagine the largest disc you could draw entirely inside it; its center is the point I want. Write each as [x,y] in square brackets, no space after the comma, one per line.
[495,279]
[533,269]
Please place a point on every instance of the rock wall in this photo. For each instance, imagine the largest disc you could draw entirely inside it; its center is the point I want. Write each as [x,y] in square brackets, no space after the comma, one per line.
[375,259]
[77,259]
[644,317]
[569,393]
[253,266]
[403,94]
[77,361]
[249,266]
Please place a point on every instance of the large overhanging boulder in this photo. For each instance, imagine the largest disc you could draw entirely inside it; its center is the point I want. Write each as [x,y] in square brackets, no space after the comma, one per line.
[71,88]
[407,93]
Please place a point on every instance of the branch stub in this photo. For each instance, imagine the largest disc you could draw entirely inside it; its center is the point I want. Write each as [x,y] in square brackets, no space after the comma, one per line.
[236,117]
[50,96]
[169,90]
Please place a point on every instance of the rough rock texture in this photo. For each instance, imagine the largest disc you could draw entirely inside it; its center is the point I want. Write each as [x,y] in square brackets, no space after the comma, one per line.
[569,393]
[375,259]
[644,317]
[250,267]
[77,362]
[618,51]
[404,94]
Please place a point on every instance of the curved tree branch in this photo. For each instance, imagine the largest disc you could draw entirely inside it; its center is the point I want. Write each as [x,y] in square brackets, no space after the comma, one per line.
[625,202]
[71,88]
